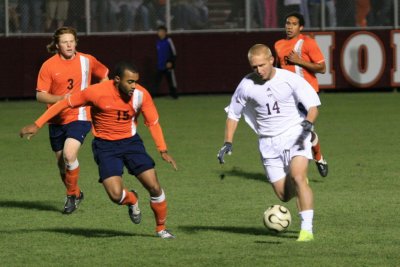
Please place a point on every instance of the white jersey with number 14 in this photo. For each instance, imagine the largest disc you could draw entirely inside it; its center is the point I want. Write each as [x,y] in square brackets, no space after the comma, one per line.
[271,107]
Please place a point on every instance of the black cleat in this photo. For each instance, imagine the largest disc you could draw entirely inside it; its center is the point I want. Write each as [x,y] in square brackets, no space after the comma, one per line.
[322,166]
[134,211]
[72,202]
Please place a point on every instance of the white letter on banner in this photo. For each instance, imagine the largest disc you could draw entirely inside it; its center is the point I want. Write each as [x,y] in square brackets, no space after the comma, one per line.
[363,59]
[395,79]
[325,43]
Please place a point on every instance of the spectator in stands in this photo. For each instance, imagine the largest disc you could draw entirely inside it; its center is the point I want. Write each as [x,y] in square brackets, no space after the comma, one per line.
[198,14]
[56,11]
[348,11]
[270,17]
[31,15]
[141,10]
[257,13]
[127,10]
[13,16]
[362,9]
[236,16]
[178,12]
[315,13]
[381,13]
[77,15]
[98,15]
[190,14]
[304,11]
[157,9]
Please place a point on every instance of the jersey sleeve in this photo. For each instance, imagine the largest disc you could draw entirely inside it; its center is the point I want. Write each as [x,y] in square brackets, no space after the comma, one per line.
[314,51]
[99,69]
[238,103]
[44,79]
[305,93]
[151,120]
[51,112]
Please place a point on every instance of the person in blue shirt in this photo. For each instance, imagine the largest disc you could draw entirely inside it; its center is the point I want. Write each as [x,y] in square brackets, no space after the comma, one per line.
[166,55]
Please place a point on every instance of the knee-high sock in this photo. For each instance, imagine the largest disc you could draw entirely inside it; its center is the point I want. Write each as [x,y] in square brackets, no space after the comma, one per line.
[159,207]
[128,198]
[316,149]
[71,178]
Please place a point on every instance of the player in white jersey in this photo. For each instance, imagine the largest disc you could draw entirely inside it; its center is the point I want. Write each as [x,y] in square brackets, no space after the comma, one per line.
[268,100]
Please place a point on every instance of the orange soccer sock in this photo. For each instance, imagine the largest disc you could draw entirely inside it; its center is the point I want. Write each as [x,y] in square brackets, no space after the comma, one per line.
[128,198]
[71,181]
[316,149]
[159,207]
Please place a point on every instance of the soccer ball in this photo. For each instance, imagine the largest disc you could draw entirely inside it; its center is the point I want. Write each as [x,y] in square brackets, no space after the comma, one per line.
[277,218]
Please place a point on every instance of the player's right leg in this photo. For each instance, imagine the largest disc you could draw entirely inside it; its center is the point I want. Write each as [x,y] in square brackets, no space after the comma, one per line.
[120,195]
[110,164]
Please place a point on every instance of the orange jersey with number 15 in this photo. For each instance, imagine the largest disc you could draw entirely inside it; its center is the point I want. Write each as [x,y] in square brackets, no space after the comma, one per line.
[60,77]
[307,48]
[113,117]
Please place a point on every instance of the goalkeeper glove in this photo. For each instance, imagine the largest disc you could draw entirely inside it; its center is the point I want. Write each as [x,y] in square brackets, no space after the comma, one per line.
[225,149]
[307,128]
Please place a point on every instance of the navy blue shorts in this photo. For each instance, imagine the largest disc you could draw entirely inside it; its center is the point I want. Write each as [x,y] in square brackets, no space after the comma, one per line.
[112,156]
[59,133]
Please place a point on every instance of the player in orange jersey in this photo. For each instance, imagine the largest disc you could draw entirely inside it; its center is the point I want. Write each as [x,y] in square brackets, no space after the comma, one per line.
[66,72]
[300,54]
[116,106]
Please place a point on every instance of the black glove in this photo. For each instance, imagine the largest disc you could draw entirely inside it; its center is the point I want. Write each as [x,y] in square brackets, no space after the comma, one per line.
[307,125]
[226,149]
[307,128]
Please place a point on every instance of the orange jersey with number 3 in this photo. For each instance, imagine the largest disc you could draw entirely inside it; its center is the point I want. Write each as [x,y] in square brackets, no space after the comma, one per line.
[307,48]
[60,77]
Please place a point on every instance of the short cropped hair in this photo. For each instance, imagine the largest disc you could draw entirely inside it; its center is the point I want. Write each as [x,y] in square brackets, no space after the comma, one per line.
[297,15]
[122,66]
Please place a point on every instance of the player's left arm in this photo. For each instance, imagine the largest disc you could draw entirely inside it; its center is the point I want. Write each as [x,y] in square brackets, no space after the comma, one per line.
[151,120]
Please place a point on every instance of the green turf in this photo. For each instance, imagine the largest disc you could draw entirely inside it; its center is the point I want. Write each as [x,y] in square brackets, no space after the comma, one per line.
[217,222]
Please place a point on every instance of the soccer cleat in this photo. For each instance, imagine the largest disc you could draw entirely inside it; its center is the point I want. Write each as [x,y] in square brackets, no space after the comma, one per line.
[305,236]
[165,234]
[322,166]
[134,211]
[72,202]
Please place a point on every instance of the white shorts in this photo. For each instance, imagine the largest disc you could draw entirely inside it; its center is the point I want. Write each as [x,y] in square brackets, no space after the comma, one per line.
[277,152]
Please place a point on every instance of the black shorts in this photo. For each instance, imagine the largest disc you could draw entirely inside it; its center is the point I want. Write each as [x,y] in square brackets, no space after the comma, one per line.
[112,156]
[59,133]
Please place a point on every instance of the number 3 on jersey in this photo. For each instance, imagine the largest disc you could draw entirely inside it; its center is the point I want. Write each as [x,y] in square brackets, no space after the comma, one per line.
[275,108]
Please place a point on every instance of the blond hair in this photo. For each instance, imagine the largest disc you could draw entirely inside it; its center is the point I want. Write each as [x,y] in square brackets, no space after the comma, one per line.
[259,49]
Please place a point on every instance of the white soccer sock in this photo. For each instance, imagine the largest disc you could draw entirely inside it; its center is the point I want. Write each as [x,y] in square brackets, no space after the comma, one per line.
[306,220]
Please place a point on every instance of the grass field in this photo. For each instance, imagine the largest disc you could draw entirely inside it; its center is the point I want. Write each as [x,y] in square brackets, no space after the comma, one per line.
[217,222]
